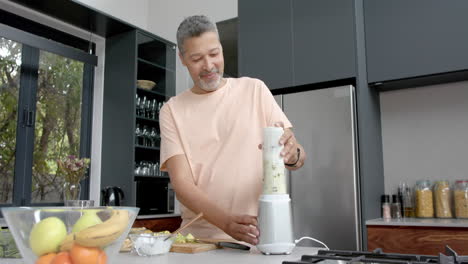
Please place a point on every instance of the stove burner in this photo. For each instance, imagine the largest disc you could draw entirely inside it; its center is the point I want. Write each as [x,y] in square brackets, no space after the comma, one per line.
[378,257]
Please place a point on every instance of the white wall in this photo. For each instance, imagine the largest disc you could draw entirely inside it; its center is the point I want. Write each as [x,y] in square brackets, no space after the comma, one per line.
[425,134]
[164,16]
[131,11]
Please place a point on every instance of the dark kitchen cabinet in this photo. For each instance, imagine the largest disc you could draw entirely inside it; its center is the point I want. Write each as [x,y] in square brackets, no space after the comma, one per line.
[159,224]
[296,42]
[323,40]
[265,47]
[132,56]
[415,38]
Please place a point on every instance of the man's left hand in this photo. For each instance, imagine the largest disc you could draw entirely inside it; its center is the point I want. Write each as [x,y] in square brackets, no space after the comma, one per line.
[290,153]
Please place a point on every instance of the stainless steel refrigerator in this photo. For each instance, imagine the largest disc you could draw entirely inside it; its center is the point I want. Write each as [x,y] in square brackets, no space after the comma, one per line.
[324,192]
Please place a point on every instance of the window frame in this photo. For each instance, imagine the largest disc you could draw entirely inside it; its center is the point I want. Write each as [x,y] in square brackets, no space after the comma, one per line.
[31,47]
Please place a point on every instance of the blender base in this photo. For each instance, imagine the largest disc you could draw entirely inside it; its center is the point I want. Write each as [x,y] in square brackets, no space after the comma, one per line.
[276,248]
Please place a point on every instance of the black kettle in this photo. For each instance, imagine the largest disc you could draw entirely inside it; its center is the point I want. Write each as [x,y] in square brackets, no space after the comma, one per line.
[112,196]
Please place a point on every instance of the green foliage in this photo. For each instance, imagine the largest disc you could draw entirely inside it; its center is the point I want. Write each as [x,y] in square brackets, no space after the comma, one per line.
[8,247]
[57,124]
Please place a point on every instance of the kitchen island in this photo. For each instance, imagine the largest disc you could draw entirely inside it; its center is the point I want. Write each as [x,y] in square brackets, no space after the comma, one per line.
[225,256]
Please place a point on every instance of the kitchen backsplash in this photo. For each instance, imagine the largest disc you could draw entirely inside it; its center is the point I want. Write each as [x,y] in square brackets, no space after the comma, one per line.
[425,134]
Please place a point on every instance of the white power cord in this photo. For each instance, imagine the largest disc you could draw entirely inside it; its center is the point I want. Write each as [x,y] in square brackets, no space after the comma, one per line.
[310,238]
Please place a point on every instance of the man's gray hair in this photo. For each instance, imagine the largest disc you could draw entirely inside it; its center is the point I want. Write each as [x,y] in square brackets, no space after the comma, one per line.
[194,26]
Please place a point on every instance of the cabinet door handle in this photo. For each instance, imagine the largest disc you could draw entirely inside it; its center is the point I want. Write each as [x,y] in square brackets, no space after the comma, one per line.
[28,117]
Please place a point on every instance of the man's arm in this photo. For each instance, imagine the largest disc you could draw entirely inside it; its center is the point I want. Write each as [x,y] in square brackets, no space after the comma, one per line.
[240,227]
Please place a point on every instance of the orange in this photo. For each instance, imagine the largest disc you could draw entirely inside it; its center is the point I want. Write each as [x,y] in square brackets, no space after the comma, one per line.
[62,258]
[46,259]
[87,255]
[102,258]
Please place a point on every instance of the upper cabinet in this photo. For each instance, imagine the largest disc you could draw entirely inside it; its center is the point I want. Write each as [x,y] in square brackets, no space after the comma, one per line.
[296,42]
[415,38]
[265,47]
[323,40]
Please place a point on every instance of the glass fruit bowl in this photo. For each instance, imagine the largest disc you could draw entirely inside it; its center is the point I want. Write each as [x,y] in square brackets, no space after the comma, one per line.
[80,235]
[146,245]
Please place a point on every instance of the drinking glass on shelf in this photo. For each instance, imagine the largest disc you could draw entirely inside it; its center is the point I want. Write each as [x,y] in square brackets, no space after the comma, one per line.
[153,137]
[156,169]
[137,134]
[148,109]
[137,104]
[144,168]
[154,109]
[136,170]
[142,106]
[145,136]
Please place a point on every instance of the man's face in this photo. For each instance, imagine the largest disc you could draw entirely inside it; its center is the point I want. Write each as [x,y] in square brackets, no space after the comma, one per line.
[203,57]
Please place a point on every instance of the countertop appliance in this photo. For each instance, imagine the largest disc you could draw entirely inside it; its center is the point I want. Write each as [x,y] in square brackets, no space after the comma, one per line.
[154,195]
[325,191]
[112,196]
[377,257]
[274,216]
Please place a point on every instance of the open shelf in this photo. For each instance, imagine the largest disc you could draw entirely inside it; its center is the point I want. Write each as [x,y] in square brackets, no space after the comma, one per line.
[154,65]
[143,91]
[155,51]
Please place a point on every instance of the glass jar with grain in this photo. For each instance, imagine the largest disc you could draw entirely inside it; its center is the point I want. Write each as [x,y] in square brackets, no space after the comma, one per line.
[461,198]
[442,197]
[424,199]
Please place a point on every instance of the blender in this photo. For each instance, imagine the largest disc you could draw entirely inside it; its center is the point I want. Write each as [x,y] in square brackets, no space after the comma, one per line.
[274,215]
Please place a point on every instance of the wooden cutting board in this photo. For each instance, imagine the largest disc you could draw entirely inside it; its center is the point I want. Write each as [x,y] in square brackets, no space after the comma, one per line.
[192,247]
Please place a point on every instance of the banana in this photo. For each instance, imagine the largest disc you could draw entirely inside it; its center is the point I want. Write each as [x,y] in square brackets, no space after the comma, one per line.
[103,234]
[67,242]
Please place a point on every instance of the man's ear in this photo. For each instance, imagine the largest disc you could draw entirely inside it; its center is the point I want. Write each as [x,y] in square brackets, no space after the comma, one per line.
[181,57]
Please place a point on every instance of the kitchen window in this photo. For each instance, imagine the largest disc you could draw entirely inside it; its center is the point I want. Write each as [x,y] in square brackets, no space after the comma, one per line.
[45,114]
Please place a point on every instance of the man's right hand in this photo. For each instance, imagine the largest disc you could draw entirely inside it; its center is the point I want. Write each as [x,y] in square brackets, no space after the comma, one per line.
[243,228]
[239,227]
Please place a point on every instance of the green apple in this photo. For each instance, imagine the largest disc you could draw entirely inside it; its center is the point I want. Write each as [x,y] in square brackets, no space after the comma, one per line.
[46,235]
[88,219]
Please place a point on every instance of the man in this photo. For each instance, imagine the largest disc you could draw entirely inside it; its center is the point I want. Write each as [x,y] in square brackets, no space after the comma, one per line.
[211,135]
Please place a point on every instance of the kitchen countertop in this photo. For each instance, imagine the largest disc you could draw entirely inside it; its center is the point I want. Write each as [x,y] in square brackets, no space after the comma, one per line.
[157,216]
[433,222]
[225,256]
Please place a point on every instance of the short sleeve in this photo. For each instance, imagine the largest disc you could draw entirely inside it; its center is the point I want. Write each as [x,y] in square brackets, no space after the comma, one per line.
[171,144]
[272,110]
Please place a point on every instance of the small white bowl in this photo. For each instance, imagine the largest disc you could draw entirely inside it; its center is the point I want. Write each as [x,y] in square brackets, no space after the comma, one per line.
[149,245]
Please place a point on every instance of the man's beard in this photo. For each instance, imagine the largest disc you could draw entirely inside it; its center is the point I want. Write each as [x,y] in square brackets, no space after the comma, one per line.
[210,86]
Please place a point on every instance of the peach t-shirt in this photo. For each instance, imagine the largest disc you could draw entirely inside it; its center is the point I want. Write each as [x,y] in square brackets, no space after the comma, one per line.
[219,132]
